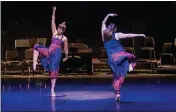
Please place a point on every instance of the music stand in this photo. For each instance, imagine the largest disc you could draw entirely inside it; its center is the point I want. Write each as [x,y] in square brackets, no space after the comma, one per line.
[73,50]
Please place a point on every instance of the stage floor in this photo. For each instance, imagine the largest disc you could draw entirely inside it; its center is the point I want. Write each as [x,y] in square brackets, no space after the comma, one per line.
[137,95]
[94,75]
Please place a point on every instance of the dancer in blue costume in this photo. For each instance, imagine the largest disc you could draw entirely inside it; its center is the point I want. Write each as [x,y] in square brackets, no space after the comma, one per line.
[119,61]
[51,57]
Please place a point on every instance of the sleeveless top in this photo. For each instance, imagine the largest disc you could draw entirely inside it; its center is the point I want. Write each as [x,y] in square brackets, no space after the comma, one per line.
[113,46]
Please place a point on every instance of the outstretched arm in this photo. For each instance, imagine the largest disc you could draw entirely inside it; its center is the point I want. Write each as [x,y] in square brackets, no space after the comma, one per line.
[128,35]
[53,24]
[103,27]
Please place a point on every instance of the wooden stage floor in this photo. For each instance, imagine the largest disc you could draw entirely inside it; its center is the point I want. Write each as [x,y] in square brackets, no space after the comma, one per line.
[93,76]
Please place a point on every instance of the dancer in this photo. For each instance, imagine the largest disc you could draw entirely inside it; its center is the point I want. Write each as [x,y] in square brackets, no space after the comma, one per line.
[51,57]
[119,61]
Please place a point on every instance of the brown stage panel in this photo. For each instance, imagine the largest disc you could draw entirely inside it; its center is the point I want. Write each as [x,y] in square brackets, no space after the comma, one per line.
[41,41]
[22,43]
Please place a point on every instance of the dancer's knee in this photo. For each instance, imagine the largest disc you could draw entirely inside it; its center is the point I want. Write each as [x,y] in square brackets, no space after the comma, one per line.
[35,46]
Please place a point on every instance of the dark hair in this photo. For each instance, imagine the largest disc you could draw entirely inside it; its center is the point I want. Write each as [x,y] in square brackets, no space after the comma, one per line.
[108,31]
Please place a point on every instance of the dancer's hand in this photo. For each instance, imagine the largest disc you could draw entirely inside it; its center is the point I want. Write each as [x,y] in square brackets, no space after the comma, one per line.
[65,59]
[54,8]
[112,14]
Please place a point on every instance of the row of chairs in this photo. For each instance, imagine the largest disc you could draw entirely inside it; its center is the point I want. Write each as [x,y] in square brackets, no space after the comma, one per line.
[13,58]
[167,57]
[12,62]
[129,46]
[148,45]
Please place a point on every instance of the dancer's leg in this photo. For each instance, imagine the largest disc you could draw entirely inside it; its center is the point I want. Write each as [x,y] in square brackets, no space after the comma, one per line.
[35,58]
[122,71]
[116,81]
[53,83]
[53,69]
[118,84]
[117,87]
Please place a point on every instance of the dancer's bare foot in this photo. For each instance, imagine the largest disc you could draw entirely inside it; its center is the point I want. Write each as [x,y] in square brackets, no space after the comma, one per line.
[35,65]
[53,93]
[130,68]
[117,97]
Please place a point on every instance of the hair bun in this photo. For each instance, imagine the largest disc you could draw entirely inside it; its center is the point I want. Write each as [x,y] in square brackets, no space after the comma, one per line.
[63,23]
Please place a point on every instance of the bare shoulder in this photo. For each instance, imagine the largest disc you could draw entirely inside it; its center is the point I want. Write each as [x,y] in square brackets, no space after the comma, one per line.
[64,38]
[117,35]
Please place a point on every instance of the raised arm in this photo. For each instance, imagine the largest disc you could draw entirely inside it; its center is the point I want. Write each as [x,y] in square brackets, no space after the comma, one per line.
[127,35]
[103,27]
[53,24]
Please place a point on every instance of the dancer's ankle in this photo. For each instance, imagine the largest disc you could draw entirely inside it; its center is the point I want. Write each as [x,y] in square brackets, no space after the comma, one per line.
[53,94]
[117,92]
[117,97]
[52,91]
[35,63]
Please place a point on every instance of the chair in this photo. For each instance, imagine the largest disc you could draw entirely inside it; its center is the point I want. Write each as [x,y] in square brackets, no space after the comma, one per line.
[28,54]
[20,46]
[102,64]
[11,61]
[74,62]
[102,52]
[167,57]
[3,67]
[27,62]
[128,44]
[149,45]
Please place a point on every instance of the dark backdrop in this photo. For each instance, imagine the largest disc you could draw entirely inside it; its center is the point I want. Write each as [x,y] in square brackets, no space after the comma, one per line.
[32,20]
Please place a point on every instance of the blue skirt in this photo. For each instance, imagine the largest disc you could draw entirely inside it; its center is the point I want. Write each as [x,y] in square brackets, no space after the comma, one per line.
[119,63]
[50,59]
